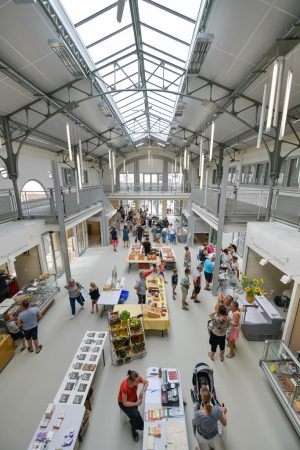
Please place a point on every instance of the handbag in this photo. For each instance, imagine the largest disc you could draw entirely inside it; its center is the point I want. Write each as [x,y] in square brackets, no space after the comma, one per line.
[210,326]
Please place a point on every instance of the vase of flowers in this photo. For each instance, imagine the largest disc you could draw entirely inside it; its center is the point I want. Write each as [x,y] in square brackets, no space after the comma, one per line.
[252,287]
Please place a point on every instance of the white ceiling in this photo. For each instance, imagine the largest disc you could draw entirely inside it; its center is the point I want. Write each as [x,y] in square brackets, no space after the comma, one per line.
[243,31]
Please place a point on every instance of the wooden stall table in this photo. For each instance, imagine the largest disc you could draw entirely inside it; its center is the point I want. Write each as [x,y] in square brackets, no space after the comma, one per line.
[167,255]
[6,350]
[145,261]
[164,426]
[161,323]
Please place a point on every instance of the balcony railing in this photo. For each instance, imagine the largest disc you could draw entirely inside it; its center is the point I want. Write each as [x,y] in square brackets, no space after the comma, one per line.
[245,204]
[146,188]
[42,204]
[286,206]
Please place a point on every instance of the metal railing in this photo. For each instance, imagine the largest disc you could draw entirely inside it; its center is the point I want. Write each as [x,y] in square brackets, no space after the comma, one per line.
[286,206]
[8,207]
[146,188]
[42,203]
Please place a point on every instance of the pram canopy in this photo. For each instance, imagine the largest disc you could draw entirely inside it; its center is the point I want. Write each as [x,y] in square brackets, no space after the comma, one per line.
[203,376]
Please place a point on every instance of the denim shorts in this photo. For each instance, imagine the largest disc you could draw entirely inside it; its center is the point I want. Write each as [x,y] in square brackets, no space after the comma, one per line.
[31,334]
[18,335]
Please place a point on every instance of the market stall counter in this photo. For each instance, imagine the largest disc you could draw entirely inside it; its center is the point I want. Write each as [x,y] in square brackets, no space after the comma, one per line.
[164,417]
[166,254]
[39,293]
[282,369]
[136,256]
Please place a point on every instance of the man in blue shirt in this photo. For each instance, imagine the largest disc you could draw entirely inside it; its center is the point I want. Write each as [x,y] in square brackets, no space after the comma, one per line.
[209,267]
[140,287]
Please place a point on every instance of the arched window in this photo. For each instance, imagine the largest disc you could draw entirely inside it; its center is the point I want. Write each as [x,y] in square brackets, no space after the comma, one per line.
[33,190]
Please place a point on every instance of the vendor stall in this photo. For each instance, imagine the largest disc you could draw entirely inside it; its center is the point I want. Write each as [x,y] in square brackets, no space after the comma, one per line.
[39,293]
[66,418]
[164,417]
[127,335]
[136,256]
[260,320]
[282,369]
[112,291]
[155,311]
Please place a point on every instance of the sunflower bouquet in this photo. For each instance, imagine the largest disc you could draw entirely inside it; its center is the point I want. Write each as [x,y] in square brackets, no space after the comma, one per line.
[252,287]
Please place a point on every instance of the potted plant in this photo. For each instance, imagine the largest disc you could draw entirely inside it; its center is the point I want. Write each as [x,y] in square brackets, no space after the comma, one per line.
[252,287]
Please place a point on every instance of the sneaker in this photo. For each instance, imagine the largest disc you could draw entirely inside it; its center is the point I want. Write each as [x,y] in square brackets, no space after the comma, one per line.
[185,308]
[197,301]
[72,317]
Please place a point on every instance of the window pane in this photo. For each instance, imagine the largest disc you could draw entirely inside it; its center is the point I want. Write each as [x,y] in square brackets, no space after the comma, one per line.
[251,174]
[259,174]
[244,174]
[281,178]
[294,173]
[154,178]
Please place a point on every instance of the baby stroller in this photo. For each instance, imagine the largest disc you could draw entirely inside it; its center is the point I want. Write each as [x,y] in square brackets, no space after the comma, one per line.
[203,376]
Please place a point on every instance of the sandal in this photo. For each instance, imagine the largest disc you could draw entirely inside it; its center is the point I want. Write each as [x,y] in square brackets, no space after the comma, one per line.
[230,356]
[30,350]
[211,357]
[40,348]
[22,348]
[221,358]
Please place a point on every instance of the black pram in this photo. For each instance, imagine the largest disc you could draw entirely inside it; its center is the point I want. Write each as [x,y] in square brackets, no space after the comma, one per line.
[203,376]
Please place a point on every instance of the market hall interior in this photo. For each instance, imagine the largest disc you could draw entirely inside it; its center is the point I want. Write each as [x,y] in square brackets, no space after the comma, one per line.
[178,122]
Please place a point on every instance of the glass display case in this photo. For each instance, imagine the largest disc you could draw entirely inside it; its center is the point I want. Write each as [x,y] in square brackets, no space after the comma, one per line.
[282,369]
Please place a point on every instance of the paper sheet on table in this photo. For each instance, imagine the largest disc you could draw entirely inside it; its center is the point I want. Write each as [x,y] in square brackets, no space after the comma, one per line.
[175,426]
[177,447]
[154,396]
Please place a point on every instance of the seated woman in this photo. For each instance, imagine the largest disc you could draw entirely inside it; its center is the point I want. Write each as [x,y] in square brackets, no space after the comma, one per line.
[206,420]
[129,402]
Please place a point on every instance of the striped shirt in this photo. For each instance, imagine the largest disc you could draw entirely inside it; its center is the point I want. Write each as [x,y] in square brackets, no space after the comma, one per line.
[207,426]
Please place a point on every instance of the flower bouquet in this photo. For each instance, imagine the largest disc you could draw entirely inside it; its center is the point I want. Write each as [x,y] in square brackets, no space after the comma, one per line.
[252,287]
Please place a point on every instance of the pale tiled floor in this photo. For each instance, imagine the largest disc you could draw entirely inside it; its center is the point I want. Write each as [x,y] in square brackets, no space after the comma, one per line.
[255,418]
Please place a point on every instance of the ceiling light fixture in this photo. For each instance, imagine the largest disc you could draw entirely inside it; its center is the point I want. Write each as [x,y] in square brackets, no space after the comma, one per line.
[109,159]
[272,95]
[202,170]
[184,159]
[180,109]
[161,144]
[80,160]
[211,143]
[105,109]
[24,2]
[263,262]
[59,47]
[139,145]
[69,141]
[278,92]
[200,155]
[262,116]
[202,45]
[79,178]
[285,279]
[286,103]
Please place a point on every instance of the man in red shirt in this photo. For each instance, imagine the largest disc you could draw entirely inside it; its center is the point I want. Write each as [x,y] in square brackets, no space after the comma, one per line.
[129,402]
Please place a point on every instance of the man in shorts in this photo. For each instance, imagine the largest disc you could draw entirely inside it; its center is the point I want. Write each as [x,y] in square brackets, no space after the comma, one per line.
[28,318]
[185,284]
[209,268]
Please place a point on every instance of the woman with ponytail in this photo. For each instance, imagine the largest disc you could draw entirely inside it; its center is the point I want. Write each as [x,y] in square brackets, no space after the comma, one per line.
[129,401]
[206,420]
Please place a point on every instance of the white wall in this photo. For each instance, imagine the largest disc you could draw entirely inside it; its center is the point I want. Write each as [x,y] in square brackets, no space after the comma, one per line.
[34,164]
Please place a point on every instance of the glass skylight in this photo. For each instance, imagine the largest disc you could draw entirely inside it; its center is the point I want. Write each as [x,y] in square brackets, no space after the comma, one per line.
[163,36]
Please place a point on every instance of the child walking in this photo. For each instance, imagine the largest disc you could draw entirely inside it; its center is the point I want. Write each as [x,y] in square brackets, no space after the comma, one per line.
[161,270]
[174,282]
[94,294]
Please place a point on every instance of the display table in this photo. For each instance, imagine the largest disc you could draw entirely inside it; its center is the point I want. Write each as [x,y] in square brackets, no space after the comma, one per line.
[156,301]
[40,294]
[73,417]
[168,257]
[6,350]
[108,298]
[282,369]
[170,420]
[260,320]
[72,397]
[136,256]
[78,379]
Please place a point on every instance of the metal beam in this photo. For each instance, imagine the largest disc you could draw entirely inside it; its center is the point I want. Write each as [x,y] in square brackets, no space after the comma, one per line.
[134,10]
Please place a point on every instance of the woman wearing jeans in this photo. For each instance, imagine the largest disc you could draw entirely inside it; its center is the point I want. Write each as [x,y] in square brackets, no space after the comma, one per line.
[129,402]
[73,288]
